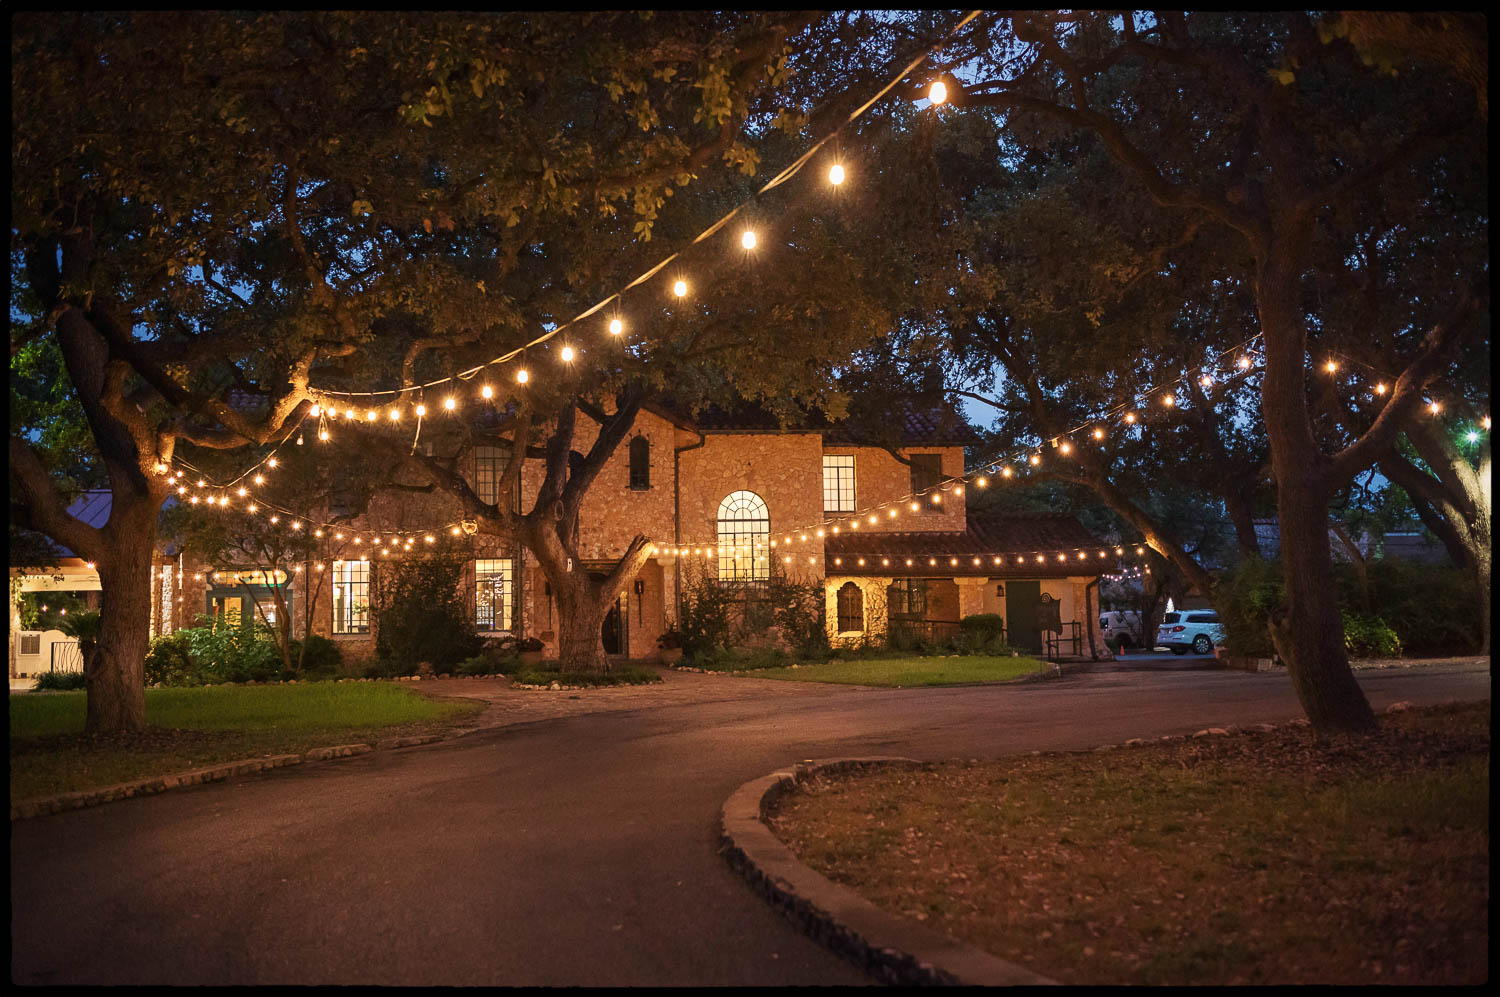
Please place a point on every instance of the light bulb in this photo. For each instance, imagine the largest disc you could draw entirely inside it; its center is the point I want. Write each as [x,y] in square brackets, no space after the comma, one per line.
[1169,400]
[487,391]
[1473,436]
[1244,363]
[260,479]
[449,403]
[1036,458]
[938,92]
[1066,447]
[1434,408]
[242,493]
[349,412]
[1206,381]
[616,327]
[1332,366]
[748,239]
[1380,388]
[567,354]
[395,414]
[1130,417]
[522,377]
[316,410]
[421,410]
[1098,433]
[1005,472]
[680,288]
[836,174]
[323,435]
[372,415]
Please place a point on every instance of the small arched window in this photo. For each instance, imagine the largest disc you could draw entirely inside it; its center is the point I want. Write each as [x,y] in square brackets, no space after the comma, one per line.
[744,538]
[851,608]
[640,463]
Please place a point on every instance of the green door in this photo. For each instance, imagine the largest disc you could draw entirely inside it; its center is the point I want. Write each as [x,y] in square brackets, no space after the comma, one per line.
[1021,600]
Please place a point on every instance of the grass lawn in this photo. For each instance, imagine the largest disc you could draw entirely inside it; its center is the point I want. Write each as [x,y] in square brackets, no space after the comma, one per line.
[191,728]
[901,672]
[1253,858]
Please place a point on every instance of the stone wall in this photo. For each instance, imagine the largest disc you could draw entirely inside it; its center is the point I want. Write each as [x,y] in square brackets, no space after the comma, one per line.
[879,477]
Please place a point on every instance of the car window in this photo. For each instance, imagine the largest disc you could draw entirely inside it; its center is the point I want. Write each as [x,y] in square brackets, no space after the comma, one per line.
[1203,618]
[1169,617]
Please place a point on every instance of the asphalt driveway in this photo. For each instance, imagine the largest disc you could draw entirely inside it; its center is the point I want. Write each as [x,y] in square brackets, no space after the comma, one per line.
[580,850]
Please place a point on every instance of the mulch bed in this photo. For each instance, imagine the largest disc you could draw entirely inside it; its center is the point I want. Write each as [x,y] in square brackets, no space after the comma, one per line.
[1250,858]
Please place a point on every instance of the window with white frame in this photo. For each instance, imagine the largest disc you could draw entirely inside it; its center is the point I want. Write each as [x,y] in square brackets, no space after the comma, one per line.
[492,594]
[351,597]
[838,484]
[744,538]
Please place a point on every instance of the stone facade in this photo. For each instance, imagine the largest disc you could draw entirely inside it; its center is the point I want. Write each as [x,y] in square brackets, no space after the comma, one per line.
[676,504]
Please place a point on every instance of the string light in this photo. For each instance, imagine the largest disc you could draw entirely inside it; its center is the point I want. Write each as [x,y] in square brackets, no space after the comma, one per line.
[836,174]
[450,403]
[747,240]
[522,377]
[680,288]
[567,354]
[938,92]
[616,327]
[421,410]
[488,392]
[1380,388]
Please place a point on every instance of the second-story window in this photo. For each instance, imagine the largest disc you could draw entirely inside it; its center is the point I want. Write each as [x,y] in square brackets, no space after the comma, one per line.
[926,473]
[838,484]
[640,463]
[744,538]
[488,466]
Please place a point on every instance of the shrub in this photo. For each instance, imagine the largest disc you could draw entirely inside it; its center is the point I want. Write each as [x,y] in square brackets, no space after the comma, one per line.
[169,662]
[61,681]
[423,613]
[703,618]
[1244,601]
[1368,637]
[530,645]
[322,656]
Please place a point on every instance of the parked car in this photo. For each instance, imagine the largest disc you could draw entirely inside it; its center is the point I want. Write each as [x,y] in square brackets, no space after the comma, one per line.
[1183,632]
[1124,625]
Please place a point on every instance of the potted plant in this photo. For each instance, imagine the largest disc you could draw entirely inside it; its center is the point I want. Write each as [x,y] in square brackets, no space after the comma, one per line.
[669,644]
[530,650]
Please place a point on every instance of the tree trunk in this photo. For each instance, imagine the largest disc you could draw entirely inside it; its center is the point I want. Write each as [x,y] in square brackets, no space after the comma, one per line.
[116,672]
[582,605]
[1307,629]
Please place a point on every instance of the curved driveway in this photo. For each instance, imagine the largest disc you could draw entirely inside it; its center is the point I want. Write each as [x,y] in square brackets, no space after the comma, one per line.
[579,850]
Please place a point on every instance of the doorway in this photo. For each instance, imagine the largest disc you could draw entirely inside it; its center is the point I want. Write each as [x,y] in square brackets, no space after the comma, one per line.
[1021,600]
[613,631]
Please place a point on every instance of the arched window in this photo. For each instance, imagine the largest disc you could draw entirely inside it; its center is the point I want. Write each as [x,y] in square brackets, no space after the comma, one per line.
[851,608]
[640,462]
[744,538]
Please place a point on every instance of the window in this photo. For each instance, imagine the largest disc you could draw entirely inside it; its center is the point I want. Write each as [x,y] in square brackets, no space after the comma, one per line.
[838,484]
[488,467]
[1203,618]
[640,463]
[744,535]
[351,597]
[492,594]
[907,597]
[851,608]
[926,473]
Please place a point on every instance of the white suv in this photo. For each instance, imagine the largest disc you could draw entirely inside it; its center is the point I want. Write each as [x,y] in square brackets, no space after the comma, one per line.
[1198,632]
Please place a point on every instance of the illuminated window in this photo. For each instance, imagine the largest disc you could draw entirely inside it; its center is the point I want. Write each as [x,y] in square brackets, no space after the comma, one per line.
[351,597]
[492,594]
[838,484]
[744,538]
[851,608]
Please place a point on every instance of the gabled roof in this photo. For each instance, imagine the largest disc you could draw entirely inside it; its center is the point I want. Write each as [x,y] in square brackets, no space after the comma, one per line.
[1016,540]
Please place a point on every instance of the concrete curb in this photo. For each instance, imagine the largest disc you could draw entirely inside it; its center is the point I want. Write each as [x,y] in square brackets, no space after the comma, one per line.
[39,806]
[891,948]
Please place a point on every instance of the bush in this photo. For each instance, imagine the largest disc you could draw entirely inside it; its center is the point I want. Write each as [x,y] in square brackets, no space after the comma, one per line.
[1369,637]
[322,656]
[169,662]
[1428,609]
[61,681]
[423,613]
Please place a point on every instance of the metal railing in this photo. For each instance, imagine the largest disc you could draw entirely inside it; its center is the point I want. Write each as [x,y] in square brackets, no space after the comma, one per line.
[928,631]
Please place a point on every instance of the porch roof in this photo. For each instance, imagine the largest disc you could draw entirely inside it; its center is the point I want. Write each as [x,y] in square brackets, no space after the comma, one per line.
[992,545]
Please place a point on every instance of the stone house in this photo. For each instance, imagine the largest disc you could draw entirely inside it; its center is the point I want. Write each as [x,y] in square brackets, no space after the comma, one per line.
[721,494]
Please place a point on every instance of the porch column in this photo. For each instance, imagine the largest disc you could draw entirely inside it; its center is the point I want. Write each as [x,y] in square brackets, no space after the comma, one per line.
[970,595]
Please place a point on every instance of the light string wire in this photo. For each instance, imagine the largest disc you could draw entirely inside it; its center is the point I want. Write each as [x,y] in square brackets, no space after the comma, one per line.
[832,524]
[780,178]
